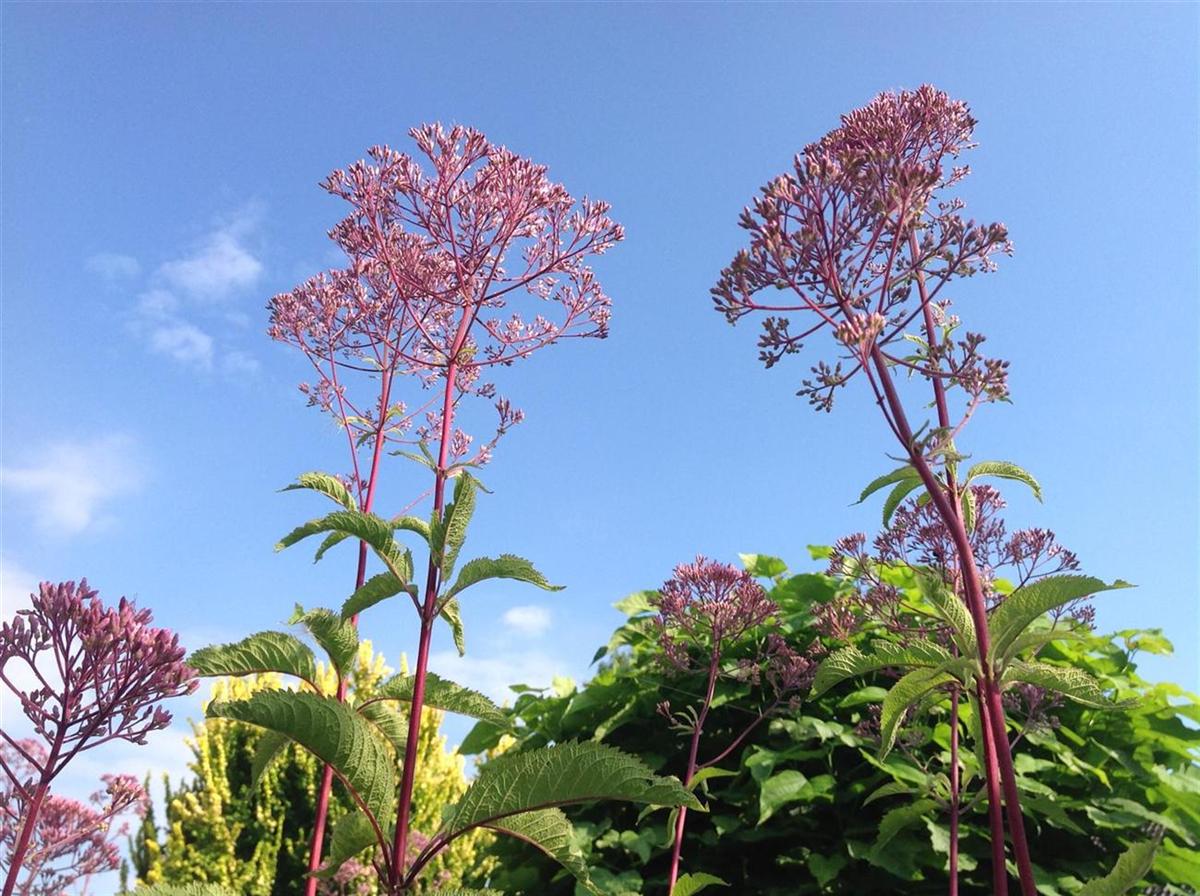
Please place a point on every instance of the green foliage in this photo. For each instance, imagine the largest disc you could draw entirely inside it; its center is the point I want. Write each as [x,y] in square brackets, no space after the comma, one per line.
[1091,780]
[1130,869]
[445,695]
[263,652]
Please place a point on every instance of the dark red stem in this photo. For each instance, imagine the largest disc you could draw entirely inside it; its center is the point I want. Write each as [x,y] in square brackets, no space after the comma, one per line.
[681,821]
[18,854]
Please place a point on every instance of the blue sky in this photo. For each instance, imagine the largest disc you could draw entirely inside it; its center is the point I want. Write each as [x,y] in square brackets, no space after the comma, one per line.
[160,173]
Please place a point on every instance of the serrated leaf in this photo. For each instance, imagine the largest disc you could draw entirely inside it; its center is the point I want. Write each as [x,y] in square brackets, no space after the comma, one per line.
[352,834]
[1131,868]
[330,486]
[445,695]
[1036,599]
[557,776]
[1072,683]
[389,723]
[331,540]
[897,475]
[448,534]
[261,652]
[896,497]
[892,788]
[968,509]
[904,693]
[337,637]
[850,662]
[1003,469]
[350,523]
[412,524]
[707,774]
[550,831]
[375,589]
[898,819]
[506,566]
[452,614]
[952,611]
[690,884]
[270,745]
[328,729]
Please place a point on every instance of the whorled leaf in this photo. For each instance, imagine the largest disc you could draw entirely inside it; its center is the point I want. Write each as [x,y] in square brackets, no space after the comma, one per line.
[898,819]
[557,776]
[900,474]
[330,486]
[1072,683]
[337,637]
[1036,599]
[440,693]
[550,831]
[904,693]
[690,884]
[850,662]
[1003,469]
[897,495]
[1131,868]
[270,745]
[951,610]
[375,589]
[389,723]
[506,566]
[261,652]
[331,731]
[352,834]
[448,534]
[451,613]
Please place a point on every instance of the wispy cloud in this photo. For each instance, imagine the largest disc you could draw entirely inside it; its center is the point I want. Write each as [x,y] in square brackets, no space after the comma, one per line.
[69,484]
[527,620]
[221,265]
[185,309]
[113,266]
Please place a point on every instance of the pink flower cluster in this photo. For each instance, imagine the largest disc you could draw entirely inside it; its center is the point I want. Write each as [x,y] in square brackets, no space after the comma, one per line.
[855,232]
[71,841]
[99,672]
[438,247]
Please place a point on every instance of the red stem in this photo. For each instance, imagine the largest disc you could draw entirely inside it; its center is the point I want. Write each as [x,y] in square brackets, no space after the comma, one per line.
[22,846]
[681,821]
[317,844]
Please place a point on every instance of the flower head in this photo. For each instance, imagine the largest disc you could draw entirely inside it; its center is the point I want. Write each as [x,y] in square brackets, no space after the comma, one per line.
[101,672]
[862,238]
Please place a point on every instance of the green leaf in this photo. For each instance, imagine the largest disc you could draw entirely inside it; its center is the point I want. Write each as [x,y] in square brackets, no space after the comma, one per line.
[1036,599]
[904,693]
[327,485]
[689,884]
[389,723]
[1002,469]
[849,662]
[779,790]
[707,774]
[825,868]
[375,589]
[968,509]
[412,524]
[270,744]
[1131,868]
[448,534]
[900,474]
[550,831]
[261,652]
[352,834]
[337,637]
[762,567]
[952,610]
[1072,683]
[506,566]
[892,788]
[443,694]
[452,614]
[896,497]
[331,731]
[331,540]
[557,776]
[898,819]
[367,527]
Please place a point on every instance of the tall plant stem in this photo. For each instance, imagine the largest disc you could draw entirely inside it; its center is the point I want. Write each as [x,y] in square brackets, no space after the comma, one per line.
[995,806]
[681,820]
[993,718]
[17,858]
[954,792]
[429,608]
[317,844]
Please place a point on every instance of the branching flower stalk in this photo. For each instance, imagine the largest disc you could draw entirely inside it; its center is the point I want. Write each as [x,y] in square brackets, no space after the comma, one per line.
[98,674]
[860,234]
[704,609]
[435,255]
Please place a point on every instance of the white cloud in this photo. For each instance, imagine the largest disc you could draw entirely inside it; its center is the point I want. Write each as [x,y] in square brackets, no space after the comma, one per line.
[71,482]
[493,675]
[114,267]
[237,363]
[184,342]
[221,265]
[527,620]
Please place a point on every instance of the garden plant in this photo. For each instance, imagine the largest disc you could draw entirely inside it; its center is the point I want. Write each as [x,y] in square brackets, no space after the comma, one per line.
[886,724]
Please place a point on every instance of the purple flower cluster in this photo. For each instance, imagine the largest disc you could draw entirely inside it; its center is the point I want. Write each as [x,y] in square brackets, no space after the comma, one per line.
[856,231]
